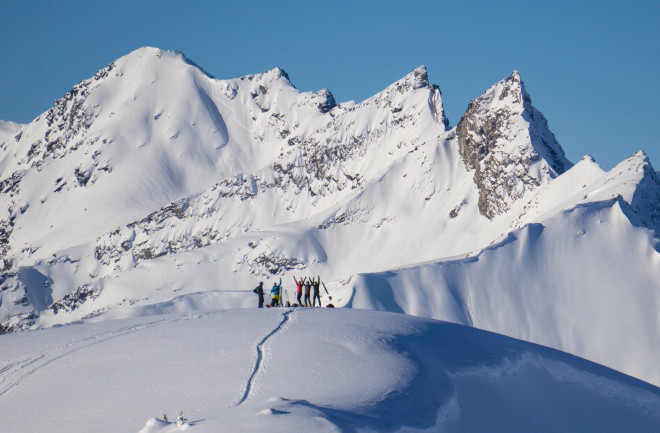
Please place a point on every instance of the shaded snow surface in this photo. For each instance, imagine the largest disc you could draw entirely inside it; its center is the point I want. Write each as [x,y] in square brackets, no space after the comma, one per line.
[286,370]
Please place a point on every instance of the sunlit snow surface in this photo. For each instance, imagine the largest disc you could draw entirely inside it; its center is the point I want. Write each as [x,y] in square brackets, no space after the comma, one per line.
[8,129]
[156,195]
[320,370]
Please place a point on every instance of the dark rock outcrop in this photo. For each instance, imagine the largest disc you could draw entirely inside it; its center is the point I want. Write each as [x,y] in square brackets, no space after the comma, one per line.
[507,143]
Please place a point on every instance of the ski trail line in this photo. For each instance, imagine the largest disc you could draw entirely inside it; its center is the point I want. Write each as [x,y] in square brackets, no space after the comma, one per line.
[260,356]
[26,367]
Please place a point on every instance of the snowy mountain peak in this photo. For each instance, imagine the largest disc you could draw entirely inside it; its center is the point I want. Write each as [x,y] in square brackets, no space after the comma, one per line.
[639,157]
[589,158]
[636,166]
[417,79]
[278,72]
[508,144]
[275,76]
[412,91]
[153,56]
[640,189]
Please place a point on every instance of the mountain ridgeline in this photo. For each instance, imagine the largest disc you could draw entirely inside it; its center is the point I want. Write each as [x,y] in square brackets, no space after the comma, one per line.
[153,182]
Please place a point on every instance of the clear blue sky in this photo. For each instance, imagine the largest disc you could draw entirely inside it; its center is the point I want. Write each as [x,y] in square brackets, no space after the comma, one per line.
[590,66]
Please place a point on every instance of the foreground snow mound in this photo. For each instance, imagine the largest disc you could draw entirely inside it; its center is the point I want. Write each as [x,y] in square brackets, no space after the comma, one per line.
[284,370]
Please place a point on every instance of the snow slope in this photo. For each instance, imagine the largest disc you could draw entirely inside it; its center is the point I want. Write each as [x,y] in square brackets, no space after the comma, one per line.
[155,188]
[8,129]
[283,370]
[529,287]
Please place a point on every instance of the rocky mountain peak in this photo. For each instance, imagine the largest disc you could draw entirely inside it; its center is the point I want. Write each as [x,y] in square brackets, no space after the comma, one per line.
[326,100]
[513,89]
[417,79]
[278,72]
[412,91]
[508,144]
[271,76]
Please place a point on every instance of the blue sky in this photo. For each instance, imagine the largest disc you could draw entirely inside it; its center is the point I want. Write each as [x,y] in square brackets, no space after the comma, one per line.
[592,67]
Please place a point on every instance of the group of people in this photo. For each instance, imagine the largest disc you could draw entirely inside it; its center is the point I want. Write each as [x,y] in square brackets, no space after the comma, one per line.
[311,287]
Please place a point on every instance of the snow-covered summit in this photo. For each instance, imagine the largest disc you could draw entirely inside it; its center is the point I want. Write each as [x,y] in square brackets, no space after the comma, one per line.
[417,79]
[641,191]
[413,87]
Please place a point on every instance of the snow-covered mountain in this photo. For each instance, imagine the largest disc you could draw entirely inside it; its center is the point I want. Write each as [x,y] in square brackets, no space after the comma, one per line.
[309,370]
[153,187]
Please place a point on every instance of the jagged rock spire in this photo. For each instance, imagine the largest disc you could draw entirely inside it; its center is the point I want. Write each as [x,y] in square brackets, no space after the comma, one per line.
[417,80]
[506,141]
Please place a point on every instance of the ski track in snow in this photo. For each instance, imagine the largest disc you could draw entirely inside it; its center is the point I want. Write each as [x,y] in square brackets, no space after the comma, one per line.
[15,372]
[259,366]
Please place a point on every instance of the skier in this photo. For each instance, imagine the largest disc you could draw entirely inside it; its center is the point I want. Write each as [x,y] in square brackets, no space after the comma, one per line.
[275,291]
[315,285]
[299,285]
[308,286]
[259,290]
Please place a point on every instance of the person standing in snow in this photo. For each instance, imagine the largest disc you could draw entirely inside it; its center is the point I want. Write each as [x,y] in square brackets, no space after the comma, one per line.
[259,290]
[275,294]
[299,285]
[316,295]
[308,287]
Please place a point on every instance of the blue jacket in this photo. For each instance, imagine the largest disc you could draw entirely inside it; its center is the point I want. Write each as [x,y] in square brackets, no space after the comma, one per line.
[276,288]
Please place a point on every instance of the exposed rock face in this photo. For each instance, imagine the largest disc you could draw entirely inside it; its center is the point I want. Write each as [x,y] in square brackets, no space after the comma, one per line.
[66,125]
[507,143]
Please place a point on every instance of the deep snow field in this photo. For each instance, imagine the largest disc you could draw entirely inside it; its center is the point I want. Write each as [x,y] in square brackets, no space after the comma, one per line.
[306,370]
